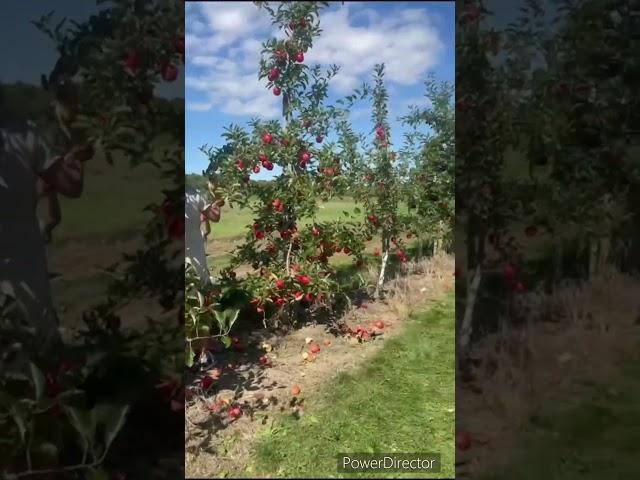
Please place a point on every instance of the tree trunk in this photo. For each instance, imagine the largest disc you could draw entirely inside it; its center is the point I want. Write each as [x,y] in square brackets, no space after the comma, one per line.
[383,267]
[592,245]
[466,328]
[632,262]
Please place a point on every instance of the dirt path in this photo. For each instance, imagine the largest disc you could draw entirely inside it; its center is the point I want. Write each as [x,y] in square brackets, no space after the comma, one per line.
[216,446]
[83,281]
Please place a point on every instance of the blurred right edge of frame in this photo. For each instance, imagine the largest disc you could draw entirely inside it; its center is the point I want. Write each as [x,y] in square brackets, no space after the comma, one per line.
[547,238]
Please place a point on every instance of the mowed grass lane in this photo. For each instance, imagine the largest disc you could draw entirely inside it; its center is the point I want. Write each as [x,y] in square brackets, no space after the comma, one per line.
[589,436]
[401,401]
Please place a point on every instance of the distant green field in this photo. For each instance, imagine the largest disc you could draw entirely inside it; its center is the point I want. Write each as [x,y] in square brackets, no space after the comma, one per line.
[112,202]
[234,222]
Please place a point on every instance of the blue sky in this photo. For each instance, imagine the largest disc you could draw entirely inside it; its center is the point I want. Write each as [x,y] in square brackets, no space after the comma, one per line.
[223,49]
[28,53]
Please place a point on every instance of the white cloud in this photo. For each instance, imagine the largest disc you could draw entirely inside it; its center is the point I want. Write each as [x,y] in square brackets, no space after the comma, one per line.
[199,106]
[224,41]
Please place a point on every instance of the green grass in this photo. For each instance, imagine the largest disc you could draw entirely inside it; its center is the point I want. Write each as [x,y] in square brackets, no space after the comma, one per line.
[234,221]
[112,202]
[593,435]
[401,401]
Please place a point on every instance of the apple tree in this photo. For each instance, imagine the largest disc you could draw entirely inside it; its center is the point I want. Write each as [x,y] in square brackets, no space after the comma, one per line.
[287,247]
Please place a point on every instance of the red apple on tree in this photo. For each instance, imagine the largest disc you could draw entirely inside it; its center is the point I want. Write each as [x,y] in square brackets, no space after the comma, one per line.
[169,72]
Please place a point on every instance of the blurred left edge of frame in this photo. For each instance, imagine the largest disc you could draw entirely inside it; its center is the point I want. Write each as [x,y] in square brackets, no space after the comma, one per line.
[92,240]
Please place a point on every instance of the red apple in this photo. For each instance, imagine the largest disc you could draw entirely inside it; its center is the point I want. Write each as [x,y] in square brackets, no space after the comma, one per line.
[274,73]
[132,62]
[314,348]
[510,273]
[178,45]
[206,382]
[280,284]
[379,324]
[463,441]
[303,279]
[299,57]
[305,157]
[295,390]
[263,360]
[267,138]
[319,138]
[256,169]
[277,91]
[309,297]
[169,72]
[298,296]
[235,412]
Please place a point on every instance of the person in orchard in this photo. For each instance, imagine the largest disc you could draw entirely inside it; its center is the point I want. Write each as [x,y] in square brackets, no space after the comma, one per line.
[49,213]
[198,213]
[25,157]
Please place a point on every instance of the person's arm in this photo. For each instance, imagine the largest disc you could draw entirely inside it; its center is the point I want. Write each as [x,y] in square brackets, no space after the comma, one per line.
[212,213]
[55,214]
[64,174]
[207,228]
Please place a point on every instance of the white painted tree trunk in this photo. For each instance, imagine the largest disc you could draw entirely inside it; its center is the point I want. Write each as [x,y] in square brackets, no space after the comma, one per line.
[383,267]
[466,328]
[593,257]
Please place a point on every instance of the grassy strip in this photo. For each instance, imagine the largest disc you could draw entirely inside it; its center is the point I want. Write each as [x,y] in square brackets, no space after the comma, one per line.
[590,436]
[401,401]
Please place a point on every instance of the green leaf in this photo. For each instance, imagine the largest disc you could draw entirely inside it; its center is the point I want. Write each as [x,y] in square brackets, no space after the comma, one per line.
[227,318]
[20,416]
[113,417]
[84,423]
[97,474]
[226,340]
[189,354]
[38,380]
